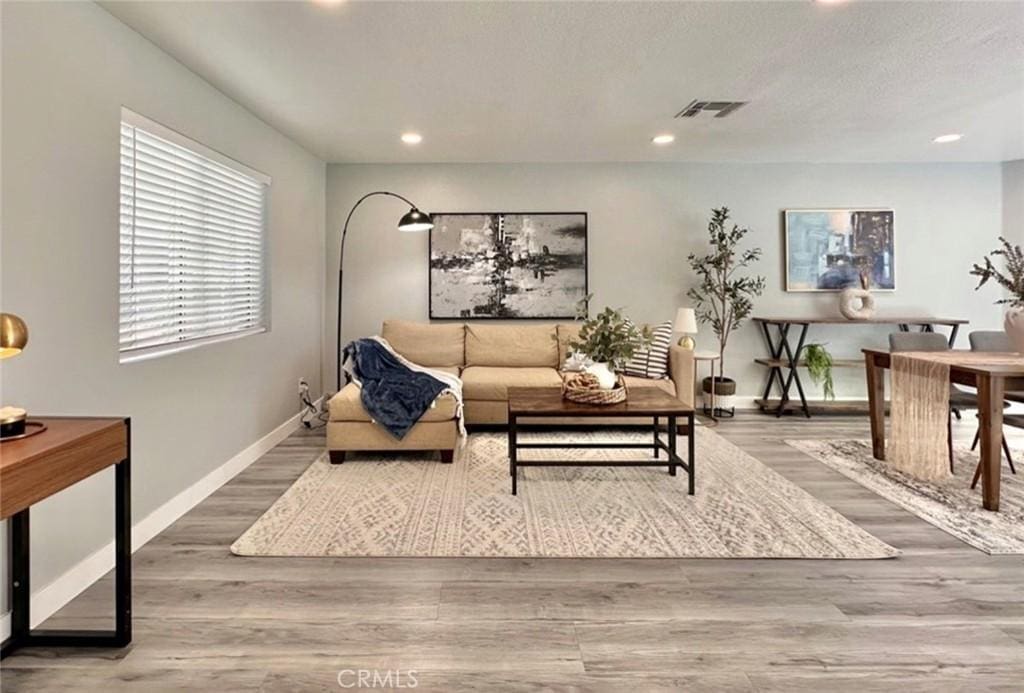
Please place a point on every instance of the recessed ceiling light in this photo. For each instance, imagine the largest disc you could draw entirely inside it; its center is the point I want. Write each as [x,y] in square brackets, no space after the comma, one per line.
[663,139]
[412,137]
[951,137]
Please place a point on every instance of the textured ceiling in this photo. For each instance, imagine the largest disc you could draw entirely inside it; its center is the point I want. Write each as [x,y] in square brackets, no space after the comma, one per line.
[560,81]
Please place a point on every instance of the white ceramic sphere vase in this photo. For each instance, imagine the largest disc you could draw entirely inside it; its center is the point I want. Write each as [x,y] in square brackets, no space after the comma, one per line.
[856,304]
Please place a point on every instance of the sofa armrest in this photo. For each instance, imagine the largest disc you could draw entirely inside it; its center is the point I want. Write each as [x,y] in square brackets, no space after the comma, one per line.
[680,368]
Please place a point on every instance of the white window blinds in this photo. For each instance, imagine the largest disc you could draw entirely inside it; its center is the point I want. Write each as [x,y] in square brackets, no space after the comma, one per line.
[193,243]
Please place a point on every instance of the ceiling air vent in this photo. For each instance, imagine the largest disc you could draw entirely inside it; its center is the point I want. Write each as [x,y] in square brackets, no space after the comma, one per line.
[719,108]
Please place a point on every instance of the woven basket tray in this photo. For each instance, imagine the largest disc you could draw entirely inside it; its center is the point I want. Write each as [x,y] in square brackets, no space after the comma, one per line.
[582,389]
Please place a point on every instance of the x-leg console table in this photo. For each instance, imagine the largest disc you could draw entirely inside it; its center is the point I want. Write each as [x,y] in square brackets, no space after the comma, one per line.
[784,361]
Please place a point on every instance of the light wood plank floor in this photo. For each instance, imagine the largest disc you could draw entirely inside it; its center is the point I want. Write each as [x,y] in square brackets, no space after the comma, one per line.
[941,617]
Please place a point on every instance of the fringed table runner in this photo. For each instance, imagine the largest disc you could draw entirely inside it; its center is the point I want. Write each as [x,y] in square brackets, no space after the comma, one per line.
[920,407]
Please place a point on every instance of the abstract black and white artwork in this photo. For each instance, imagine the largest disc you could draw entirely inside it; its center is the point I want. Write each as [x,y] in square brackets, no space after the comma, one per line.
[830,249]
[498,265]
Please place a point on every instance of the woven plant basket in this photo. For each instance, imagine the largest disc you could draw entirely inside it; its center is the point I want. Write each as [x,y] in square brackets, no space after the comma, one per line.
[584,389]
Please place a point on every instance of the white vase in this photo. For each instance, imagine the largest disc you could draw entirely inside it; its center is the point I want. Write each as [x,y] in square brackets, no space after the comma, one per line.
[856,304]
[1013,323]
[604,374]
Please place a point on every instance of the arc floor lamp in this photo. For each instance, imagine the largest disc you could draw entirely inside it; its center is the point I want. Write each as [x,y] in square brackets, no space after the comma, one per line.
[414,220]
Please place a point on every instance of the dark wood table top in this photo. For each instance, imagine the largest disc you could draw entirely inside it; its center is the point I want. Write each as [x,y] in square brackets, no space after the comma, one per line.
[640,401]
[878,320]
[69,450]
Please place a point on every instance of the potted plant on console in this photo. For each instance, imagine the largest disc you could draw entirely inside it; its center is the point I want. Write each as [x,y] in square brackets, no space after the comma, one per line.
[608,341]
[723,298]
[1013,282]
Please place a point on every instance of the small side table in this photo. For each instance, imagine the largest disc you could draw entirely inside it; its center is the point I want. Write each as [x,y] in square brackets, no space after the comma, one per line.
[711,357]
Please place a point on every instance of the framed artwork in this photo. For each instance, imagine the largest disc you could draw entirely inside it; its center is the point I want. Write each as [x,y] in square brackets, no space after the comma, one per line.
[829,249]
[507,266]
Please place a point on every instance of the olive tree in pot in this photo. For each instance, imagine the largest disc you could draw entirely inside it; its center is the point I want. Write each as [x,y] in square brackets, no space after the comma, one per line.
[1013,282]
[723,298]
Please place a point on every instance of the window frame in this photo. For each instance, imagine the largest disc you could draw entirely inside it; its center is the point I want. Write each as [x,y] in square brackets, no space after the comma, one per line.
[131,355]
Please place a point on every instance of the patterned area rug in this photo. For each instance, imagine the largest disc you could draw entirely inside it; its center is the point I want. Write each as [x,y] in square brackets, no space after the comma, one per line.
[404,506]
[950,505]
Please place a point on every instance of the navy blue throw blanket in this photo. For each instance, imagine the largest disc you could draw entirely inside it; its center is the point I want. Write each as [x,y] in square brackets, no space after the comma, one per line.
[393,394]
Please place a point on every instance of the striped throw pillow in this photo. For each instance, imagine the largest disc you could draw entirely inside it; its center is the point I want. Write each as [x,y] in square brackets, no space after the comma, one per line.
[652,362]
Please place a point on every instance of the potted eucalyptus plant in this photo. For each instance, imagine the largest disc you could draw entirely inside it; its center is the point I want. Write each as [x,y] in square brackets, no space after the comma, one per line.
[723,296]
[1012,281]
[608,339]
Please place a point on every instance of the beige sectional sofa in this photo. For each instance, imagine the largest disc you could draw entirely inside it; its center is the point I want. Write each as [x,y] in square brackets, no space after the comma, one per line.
[490,359]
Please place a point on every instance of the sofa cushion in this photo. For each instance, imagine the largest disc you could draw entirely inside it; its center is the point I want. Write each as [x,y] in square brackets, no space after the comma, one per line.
[660,383]
[511,345]
[566,333]
[491,383]
[346,406]
[425,344]
[653,361]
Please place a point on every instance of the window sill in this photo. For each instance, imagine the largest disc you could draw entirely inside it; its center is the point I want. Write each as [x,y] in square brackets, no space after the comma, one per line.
[147,353]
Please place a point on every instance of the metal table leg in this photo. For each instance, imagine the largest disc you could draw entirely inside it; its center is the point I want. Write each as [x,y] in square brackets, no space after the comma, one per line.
[793,361]
[691,457]
[781,350]
[512,457]
[672,444]
[952,335]
[775,352]
[714,394]
[22,634]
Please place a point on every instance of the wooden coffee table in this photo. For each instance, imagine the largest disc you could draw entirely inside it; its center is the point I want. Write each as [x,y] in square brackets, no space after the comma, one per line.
[646,402]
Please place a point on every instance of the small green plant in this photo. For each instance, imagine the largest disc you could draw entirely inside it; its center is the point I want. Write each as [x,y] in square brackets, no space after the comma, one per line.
[609,337]
[819,367]
[1013,281]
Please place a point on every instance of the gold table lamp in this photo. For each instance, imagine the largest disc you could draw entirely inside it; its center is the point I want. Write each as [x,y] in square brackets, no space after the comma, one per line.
[686,323]
[13,338]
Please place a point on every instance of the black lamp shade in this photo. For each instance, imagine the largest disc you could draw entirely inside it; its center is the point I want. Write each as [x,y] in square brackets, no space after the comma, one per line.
[415,220]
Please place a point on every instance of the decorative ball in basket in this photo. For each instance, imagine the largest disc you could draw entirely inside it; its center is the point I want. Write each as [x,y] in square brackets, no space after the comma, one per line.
[585,388]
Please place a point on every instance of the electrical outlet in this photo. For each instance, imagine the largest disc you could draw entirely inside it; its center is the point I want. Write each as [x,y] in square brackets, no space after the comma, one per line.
[303,386]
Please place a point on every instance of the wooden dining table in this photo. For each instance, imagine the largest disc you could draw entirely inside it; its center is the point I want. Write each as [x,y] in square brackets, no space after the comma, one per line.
[992,380]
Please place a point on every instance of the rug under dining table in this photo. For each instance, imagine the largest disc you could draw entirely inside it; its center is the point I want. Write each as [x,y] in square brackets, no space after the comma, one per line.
[949,503]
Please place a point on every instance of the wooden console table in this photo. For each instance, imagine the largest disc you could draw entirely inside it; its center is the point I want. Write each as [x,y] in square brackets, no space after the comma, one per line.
[783,355]
[35,468]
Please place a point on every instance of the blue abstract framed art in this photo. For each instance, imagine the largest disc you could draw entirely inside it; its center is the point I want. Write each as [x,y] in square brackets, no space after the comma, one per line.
[829,249]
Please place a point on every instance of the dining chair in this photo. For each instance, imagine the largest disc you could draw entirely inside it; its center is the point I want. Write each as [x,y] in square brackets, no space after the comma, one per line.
[996,341]
[958,399]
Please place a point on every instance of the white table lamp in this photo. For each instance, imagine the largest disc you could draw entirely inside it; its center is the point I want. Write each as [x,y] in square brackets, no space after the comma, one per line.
[686,323]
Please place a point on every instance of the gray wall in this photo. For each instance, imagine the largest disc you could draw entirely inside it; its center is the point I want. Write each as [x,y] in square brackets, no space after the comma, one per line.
[1013,201]
[645,219]
[67,70]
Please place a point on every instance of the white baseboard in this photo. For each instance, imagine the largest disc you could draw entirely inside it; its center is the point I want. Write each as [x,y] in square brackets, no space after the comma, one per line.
[747,401]
[50,598]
